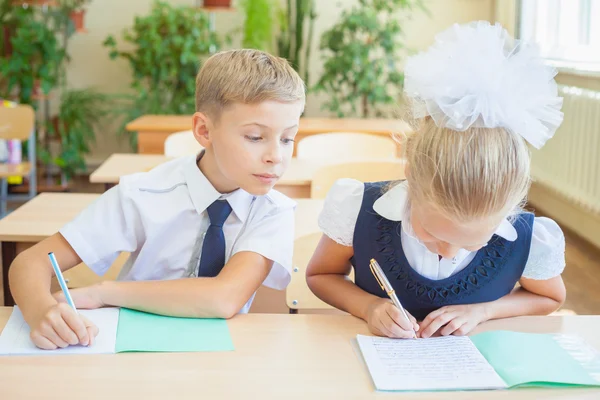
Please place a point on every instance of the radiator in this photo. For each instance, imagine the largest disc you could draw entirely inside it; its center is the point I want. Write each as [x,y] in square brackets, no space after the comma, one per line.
[569,163]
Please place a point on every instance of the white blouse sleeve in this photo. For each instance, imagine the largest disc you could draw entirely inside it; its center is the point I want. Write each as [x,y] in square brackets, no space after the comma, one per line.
[340,212]
[547,253]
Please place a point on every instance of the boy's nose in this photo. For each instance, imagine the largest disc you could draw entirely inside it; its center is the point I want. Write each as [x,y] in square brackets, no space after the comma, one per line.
[274,155]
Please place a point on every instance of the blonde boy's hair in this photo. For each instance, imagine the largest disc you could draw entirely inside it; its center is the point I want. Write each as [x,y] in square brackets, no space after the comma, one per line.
[467,175]
[245,76]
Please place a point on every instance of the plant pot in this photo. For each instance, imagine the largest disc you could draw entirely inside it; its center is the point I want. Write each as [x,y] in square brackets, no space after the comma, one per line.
[6,45]
[50,3]
[77,18]
[217,3]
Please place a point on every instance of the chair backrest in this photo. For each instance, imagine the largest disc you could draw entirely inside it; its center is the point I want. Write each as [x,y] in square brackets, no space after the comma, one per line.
[181,144]
[364,171]
[346,146]
[298,296]
[16,122]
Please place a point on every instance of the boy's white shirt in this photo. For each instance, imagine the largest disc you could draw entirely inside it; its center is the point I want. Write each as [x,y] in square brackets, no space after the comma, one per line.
[342,206]
[160,218]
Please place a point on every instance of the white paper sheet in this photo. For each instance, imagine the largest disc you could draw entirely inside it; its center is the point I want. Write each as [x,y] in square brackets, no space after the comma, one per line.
[442,363]
[15,336]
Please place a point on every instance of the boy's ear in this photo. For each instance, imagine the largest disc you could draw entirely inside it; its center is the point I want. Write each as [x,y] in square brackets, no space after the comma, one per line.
[201,126]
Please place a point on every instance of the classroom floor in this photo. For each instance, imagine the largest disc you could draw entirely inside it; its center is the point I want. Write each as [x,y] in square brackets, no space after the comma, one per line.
[582,275]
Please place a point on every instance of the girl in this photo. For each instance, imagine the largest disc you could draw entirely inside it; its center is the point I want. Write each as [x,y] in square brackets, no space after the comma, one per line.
[452,238]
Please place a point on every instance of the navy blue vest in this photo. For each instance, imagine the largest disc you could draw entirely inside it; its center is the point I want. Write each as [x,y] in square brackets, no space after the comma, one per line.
[492,274]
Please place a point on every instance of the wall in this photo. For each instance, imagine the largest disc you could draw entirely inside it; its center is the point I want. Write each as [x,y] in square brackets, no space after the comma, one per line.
[558,205]
[91,66]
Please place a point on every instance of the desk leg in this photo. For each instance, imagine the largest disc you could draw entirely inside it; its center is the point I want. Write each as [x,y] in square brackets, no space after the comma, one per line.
[9,252]
[293,311]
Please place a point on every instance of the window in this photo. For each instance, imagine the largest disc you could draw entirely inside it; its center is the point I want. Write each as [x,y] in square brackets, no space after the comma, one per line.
[567,31]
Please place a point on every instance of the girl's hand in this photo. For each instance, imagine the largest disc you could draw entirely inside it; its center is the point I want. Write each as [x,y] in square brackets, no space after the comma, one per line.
[384,319]
[85,298]
[456,320]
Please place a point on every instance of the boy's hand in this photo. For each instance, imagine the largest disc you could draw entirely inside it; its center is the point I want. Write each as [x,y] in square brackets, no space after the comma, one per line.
[384,319]
[87,298]
[60,327]
[454,320]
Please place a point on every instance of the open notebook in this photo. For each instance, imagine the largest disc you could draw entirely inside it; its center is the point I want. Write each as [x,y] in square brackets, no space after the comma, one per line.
[124,330]
[490,360]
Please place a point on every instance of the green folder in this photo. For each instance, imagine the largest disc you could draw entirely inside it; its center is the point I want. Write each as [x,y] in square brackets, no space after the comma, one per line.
[525,359]
[143,332]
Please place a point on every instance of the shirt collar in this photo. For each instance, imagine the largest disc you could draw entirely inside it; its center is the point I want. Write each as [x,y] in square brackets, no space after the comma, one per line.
[203,193]
[394,205]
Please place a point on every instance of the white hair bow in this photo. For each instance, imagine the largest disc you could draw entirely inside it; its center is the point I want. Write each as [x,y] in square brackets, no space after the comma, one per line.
[477,75]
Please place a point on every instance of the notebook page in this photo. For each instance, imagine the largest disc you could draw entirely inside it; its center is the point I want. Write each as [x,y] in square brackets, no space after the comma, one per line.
[15,336]
[442,363]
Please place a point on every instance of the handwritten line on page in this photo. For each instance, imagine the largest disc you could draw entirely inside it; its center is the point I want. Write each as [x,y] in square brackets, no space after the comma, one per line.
[15,336]
[441,363]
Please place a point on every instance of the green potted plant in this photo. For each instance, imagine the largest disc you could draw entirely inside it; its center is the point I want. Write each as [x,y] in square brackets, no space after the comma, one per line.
[165,52]
[39,37]
[361,58]
[258,24]
[296,26]
[81,113]
[34,64]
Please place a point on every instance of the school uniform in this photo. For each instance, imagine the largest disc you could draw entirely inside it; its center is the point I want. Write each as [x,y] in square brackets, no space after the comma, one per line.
[167,219]
[376,223]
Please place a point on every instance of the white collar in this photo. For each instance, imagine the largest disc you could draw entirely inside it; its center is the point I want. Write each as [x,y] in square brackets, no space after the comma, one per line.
[393,205]
[203,193]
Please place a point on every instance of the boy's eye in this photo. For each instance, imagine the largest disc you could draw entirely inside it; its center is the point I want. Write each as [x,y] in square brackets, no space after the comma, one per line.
[253,138]
[287,141]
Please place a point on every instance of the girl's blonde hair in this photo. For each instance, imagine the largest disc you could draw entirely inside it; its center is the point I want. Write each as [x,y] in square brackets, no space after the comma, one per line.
[467,175]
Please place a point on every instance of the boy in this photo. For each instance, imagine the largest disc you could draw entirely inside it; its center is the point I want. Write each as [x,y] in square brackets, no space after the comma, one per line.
[211,218]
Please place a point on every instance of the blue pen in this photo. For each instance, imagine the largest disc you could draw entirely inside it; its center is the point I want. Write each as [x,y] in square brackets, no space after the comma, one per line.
[61,280]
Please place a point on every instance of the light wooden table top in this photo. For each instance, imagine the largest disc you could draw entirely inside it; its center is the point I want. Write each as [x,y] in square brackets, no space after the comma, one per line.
[299,172]
[117,165]
[175,123]
[276,356]
[45,214]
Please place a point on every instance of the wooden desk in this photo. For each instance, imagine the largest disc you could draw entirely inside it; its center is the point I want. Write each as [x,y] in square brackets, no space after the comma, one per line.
[44,215]
[152,130]
[275,357]
[294,183]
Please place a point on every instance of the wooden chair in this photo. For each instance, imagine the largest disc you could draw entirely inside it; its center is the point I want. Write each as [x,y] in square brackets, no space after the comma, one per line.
[346,146]
[181,144]
[298,294]
[18,123]
[365,171]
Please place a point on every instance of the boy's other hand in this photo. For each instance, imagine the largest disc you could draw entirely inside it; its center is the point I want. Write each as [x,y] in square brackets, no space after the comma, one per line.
[87,298]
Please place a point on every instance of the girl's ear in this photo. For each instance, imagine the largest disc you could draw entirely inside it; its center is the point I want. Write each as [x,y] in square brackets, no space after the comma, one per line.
[201,128]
